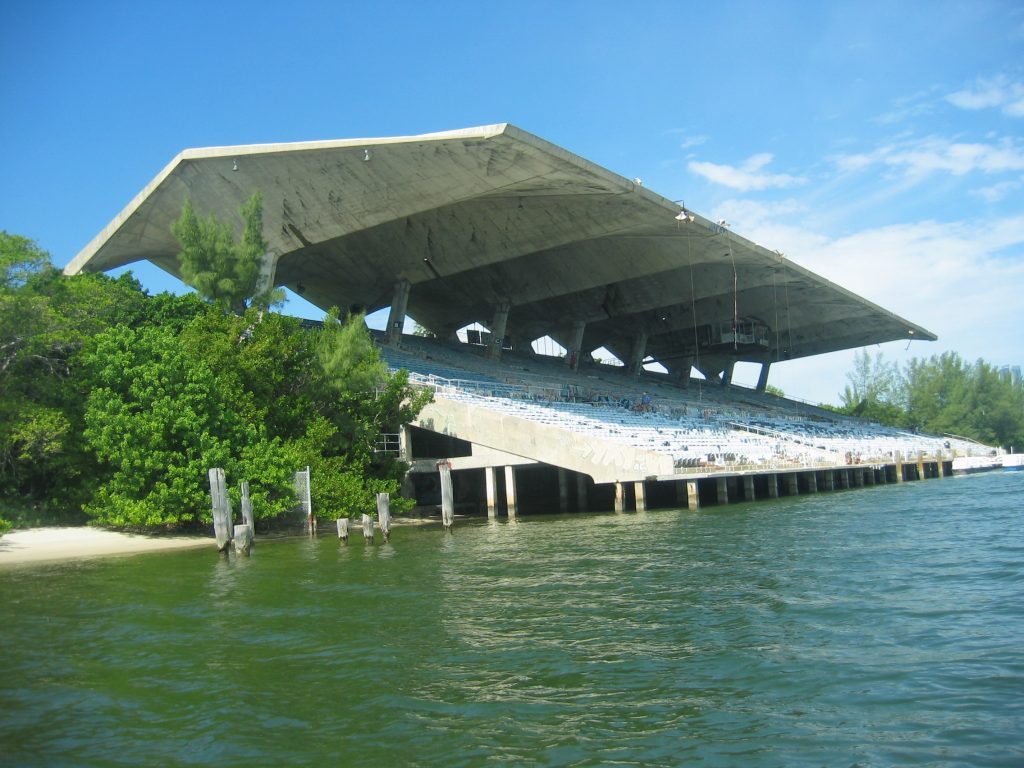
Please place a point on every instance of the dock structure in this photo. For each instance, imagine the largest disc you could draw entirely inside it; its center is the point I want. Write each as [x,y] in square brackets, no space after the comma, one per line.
[492,238]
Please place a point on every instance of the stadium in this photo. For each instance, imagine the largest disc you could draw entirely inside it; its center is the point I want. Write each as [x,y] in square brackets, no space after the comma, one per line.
[579,331]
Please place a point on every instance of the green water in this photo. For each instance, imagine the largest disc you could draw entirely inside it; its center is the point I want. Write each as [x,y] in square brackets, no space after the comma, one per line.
[882,626]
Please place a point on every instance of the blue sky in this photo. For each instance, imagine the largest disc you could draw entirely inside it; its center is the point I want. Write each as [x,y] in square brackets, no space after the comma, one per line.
[880,144]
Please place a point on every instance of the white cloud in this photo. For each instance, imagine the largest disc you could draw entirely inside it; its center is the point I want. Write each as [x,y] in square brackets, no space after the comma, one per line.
[999,91]
[996,192]
[922,157]
[692,141]
[747,177]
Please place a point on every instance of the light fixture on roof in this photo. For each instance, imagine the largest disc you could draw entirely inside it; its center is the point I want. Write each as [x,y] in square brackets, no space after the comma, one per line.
[366,155]
[638,181]
[234,164]
[684,215]
[723,223]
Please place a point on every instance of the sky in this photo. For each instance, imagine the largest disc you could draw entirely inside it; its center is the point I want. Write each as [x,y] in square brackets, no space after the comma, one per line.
[879,144]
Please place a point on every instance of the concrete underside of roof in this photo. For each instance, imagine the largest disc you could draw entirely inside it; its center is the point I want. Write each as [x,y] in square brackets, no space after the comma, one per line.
[476,220]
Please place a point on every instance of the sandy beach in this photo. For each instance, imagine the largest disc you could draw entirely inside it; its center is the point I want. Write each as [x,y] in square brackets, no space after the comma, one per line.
[37,545]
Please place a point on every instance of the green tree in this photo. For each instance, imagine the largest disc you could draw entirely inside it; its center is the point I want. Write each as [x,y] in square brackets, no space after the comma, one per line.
[222,269]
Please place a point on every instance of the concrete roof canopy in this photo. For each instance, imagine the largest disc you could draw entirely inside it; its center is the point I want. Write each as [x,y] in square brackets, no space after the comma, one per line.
[484,217]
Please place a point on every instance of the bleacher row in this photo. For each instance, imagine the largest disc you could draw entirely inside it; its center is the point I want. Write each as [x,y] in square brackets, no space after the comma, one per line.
[703,427]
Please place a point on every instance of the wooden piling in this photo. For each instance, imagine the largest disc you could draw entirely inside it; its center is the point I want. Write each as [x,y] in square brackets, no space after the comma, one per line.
[368,529]
[384,514]
[247,517]
[242,541]
[343,529]
[221,509]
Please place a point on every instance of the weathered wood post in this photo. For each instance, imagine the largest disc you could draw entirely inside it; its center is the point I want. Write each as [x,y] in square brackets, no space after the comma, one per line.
[302,490]
[221,509]
[447,504]
[368,528]
[247,517]
[384,514]
[242,542]
[343,529]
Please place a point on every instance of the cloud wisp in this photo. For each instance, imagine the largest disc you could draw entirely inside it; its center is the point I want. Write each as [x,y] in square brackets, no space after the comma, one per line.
[748,177]
[999,92]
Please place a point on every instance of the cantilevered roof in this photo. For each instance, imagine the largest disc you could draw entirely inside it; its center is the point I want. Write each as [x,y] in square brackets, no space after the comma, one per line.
[482,216]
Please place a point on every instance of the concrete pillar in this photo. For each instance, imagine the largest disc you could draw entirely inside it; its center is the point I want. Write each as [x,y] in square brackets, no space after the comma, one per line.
[792,484]
[762,379]
[844,478]
[748,488]
[396,318]
[692,495]
[899,467]
[563,490]
[682,374]
[581,493]
[641,498]
[620,497]
[490,482]
[940,466]
[510,490]
[812,482]
[727,373]
[498,327]
[828,480]
[721,490]
[637,353]
[869,477]
[575,350]
[773,486]
[920,467]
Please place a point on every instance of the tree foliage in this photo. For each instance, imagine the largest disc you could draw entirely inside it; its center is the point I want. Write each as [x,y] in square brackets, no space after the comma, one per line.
[940,395]
[118,403]
[224,270]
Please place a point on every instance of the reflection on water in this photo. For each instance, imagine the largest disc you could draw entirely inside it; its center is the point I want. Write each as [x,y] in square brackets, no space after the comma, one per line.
[870,627]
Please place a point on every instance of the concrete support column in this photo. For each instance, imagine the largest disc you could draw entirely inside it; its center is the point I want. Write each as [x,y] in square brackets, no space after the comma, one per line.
[510,490]
[792,484]
[490,482]
[721,490]
[396,318]
[748,488]
[563,490]
[405,444]
[869,477]
[620,497]
[727,373]
[899,467]
[773,486]
[762,379]
[641,497]
[581,493]
[844,478]
[498,327]
[828,480]
[920,467]
[575,350]
[692,495]
[812,482]
[682,374]
[637,353]
[858,478]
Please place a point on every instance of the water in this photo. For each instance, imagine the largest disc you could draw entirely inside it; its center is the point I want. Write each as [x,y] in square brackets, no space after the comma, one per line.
[882,626]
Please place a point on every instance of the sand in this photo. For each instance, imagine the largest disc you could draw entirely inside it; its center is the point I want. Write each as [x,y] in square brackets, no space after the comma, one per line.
[37,545]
